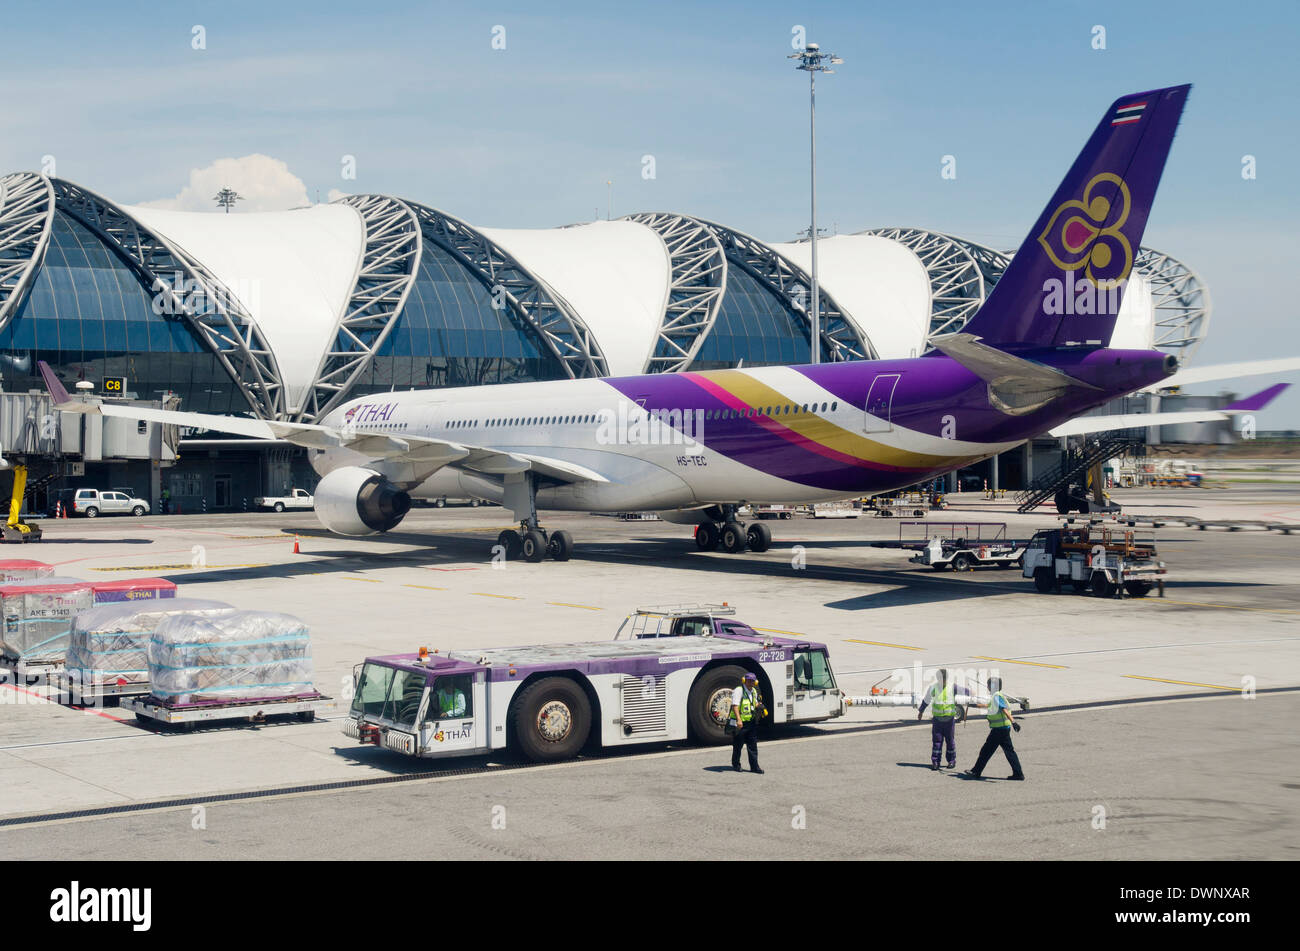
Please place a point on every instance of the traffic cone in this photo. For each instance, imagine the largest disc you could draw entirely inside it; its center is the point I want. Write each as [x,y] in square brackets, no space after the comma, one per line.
[296,550]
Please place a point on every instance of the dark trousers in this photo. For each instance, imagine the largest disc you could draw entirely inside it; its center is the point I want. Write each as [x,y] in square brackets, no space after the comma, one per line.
[746,736]
[941,731]
[998,736]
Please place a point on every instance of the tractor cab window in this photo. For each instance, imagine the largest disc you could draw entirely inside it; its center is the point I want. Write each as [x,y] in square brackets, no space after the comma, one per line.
[389,693]
[812,671]
[735,627]
[691,627]
[451,698]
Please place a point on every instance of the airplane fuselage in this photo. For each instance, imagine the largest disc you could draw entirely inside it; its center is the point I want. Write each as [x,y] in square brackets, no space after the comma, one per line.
[766,434]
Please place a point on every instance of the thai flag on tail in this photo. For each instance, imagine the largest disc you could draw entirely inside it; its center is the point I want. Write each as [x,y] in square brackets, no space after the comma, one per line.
[1127,114]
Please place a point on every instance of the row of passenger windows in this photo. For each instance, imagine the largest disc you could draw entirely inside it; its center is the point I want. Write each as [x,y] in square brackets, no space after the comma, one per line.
[786,410]
[524,421]
[770,411]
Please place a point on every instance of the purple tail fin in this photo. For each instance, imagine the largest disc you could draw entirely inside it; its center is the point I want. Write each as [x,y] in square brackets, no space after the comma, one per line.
[1257,400]
[57,391]
[1065,284]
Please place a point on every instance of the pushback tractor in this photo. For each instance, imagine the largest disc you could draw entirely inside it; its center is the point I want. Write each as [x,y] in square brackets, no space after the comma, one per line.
[549,702]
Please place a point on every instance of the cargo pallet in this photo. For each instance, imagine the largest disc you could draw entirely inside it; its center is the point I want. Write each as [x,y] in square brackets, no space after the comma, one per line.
[31,673]
[79,691]
[150,710]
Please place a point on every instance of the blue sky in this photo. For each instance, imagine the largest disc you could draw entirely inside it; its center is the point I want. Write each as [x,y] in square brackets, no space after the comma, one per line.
[527,136]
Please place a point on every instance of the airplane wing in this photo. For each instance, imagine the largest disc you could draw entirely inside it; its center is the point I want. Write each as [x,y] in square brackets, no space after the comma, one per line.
[420,454]
[1100,424]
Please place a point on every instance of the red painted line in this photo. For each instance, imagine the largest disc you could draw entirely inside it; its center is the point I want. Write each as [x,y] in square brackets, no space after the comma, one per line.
[43,699]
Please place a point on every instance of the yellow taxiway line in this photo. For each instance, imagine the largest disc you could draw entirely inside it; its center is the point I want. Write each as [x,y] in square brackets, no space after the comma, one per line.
[904,647]
[1028,663]
[1183,683]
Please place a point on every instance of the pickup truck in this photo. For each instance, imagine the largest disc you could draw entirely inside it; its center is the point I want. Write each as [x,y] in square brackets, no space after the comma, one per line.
[93,503]
[298,499]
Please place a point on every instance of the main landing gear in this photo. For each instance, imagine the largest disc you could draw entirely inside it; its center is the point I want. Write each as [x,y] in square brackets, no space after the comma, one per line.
[730,535]
[531,542]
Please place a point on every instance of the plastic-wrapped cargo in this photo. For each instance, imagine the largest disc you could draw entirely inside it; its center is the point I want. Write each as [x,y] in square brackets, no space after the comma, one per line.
[110,643]
[246,655]
[133,589]
[23,569]
[38,617]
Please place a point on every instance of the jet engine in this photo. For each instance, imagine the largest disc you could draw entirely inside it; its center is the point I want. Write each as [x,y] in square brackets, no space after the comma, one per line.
[356,501]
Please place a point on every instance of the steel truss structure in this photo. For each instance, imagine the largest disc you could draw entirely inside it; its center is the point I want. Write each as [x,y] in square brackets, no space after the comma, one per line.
[184,289]
[842,338]
[26,216]
[555,322]
[697,284]
[961,273]
[385,274]
[1181,301]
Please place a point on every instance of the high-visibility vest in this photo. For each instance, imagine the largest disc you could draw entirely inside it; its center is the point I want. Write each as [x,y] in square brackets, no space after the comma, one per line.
[748,703]
[448,704]
[997,715]
[943,704]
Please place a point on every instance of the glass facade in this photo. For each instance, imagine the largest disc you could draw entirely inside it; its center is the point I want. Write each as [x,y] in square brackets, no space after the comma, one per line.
[755,325]
[448,334]
[90,317]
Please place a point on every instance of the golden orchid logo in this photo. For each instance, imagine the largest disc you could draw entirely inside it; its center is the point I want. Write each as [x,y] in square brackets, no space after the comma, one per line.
[1085,232]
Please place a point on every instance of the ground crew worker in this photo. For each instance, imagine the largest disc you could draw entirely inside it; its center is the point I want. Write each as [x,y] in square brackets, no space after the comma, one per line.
[449,701]
[746,711]
[942,700]
[1001,723]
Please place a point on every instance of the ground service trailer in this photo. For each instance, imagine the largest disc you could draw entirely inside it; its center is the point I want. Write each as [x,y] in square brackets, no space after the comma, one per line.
[549,702]
[1107,561]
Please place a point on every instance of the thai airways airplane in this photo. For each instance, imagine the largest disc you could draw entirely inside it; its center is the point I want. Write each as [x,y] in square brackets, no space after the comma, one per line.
[696,445]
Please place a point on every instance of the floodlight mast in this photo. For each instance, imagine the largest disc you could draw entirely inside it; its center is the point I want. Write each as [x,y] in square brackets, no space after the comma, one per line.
[813,61]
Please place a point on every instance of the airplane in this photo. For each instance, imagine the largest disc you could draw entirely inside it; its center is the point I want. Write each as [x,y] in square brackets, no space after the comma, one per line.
[696,445]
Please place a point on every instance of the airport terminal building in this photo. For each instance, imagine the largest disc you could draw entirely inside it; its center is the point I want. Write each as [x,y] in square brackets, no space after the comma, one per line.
[284,315]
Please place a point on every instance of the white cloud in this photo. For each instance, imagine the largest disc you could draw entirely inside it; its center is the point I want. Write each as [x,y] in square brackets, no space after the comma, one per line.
[263,183]
[334,194]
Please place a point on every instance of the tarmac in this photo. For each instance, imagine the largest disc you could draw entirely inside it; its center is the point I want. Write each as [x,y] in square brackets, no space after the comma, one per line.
[1204,777]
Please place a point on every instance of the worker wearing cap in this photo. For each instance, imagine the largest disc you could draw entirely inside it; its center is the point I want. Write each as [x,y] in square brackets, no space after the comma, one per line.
[942,700]
[746,711]
[1001,723]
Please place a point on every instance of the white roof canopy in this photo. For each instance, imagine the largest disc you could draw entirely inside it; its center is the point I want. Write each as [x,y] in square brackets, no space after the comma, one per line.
[292,270]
